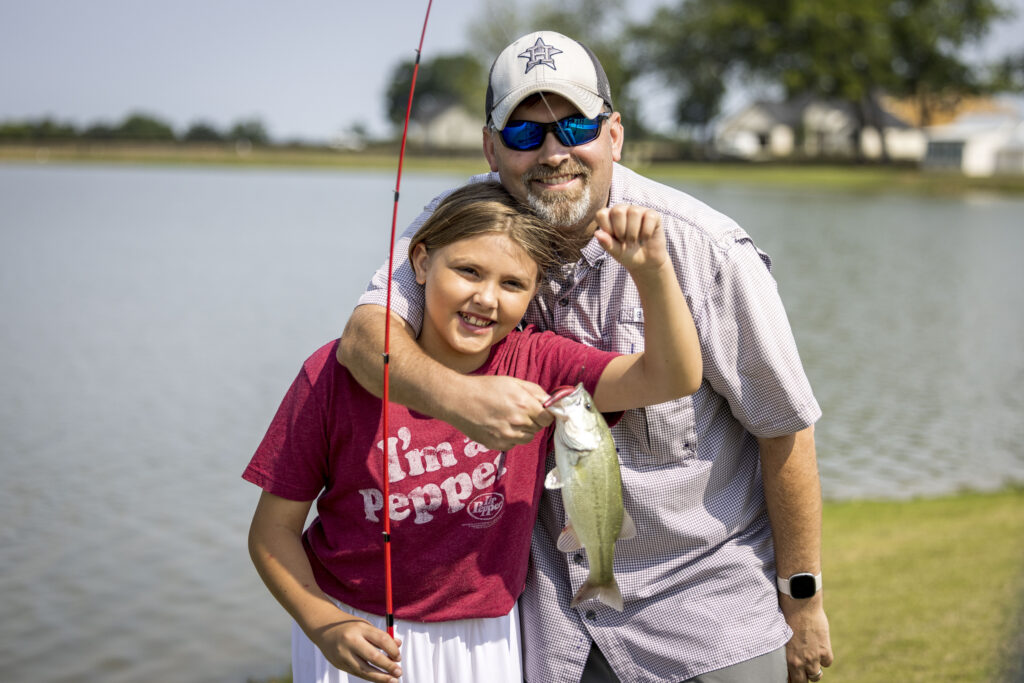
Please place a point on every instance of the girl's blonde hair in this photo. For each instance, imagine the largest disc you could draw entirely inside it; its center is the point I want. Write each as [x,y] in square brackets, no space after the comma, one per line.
[479,208]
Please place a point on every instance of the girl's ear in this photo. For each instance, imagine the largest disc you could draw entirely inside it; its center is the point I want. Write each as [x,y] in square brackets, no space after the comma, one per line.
[420,261]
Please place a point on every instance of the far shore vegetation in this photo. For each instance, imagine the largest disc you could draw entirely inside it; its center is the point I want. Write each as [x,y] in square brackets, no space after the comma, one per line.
[925,590]
[383,157]
[141,138]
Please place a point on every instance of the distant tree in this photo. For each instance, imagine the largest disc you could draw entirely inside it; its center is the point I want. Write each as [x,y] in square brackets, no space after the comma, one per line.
[1009,73]
[48,129]
[843,49]
[250,131]
[15,131]
[441,82]
[201,131]
[35,131]
[99,131]
[142,127]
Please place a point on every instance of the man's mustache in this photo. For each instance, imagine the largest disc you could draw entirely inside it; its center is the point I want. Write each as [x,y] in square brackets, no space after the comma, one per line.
[565,168]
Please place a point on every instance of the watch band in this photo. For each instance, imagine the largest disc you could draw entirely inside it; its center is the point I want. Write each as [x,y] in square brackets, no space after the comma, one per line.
[800,586]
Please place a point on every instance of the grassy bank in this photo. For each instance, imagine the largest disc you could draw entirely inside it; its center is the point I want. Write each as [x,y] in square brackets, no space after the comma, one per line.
[925,590]
[227,155]
[928,590]
[863,178]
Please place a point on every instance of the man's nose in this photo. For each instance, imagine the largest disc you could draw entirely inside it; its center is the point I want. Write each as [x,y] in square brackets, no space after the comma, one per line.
[552,152]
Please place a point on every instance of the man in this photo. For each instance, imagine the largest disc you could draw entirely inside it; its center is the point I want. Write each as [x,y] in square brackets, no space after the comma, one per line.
[703,475]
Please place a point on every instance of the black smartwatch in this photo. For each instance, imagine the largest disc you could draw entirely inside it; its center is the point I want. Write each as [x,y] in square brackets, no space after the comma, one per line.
[800,586]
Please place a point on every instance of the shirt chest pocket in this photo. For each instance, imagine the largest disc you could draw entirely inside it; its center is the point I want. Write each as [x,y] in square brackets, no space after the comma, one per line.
[659,435]
[672,431]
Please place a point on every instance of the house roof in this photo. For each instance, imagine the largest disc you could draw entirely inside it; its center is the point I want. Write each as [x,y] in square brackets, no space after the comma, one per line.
[1008,127]
[791,112]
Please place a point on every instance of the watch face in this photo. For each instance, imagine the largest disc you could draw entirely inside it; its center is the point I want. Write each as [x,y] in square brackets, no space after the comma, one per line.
[802,586]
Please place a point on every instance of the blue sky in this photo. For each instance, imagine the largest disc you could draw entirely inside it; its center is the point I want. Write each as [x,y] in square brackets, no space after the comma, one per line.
[307,69]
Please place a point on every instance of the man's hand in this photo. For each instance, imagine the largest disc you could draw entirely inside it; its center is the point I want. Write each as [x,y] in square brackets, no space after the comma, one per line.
[792,493]
[810,649]
[359,648]
[500,412]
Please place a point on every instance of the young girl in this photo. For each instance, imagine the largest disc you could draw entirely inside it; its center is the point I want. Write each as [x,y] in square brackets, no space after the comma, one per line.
[461,514]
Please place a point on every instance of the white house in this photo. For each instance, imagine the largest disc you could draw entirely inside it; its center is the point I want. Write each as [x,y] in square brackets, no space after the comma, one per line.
[977,145]
[448,128]
[760,131]
[811,128]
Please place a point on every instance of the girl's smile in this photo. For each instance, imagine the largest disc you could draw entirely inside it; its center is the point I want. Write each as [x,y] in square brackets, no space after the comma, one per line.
[476,291]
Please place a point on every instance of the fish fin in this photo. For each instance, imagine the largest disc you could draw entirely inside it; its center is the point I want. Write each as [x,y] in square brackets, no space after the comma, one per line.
[553,480]
[568,541]
[609,594]
[628,527]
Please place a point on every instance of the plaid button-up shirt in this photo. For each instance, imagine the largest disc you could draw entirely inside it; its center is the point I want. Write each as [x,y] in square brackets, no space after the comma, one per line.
[699,578]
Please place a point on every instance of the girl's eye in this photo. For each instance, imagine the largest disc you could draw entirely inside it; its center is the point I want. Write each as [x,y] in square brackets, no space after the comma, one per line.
[467,270]
[515,284]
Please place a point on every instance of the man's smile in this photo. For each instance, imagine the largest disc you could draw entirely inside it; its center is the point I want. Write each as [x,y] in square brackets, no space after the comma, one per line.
[556,180]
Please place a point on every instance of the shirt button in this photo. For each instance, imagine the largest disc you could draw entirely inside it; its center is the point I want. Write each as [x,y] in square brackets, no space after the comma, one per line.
[591,614]
[578,558]
[563,302]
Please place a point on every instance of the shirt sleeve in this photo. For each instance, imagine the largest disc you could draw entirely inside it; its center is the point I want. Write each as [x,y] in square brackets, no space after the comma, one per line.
[750,356]
[292,460]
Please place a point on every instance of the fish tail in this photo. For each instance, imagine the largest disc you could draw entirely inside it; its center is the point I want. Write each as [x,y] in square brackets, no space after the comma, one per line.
[608,593]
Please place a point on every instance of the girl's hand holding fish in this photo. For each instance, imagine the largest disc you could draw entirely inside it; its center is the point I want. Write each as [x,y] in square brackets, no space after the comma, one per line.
[633,236]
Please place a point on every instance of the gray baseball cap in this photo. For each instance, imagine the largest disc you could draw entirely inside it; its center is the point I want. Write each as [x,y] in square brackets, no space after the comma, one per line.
[546,61]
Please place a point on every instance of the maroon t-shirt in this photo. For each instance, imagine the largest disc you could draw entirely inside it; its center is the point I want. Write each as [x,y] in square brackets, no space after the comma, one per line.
[461,514]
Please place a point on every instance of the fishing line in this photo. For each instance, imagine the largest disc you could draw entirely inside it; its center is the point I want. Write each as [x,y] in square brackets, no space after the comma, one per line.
[388,603]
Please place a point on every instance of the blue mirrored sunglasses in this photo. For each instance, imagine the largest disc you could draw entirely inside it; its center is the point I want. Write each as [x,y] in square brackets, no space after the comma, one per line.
[523,136]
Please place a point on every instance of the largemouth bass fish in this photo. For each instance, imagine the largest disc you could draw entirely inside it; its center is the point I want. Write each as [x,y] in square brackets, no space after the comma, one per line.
[587,472]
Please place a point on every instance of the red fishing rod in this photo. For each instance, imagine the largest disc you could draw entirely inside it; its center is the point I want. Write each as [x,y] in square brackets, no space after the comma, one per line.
[389,608]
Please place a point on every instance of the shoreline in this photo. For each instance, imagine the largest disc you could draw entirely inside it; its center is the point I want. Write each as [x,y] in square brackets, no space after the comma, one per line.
[849,177]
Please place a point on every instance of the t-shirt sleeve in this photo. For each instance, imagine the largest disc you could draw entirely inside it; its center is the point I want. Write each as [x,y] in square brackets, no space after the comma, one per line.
[749,354]
[292,460]
[561,361]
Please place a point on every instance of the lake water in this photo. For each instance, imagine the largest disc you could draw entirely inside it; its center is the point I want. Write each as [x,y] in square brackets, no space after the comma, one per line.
[152,319]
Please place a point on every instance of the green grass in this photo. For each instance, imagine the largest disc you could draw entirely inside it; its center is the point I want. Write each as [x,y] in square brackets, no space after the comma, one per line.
[924,590]
[866,178]
[928,590]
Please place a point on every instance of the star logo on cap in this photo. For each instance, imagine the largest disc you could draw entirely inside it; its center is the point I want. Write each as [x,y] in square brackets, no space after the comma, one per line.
[539,54]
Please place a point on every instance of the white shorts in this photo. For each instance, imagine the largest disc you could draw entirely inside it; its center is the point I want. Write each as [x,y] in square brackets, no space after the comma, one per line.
[467,650]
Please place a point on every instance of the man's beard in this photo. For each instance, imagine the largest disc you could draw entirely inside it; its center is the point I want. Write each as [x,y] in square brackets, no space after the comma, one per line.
[562,210]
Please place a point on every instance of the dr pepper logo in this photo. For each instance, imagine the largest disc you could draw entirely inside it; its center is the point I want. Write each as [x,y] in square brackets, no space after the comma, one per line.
[486,506]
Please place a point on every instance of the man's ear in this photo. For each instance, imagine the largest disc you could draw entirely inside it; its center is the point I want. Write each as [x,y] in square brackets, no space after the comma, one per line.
[617,134]
[489,148]
[420,261]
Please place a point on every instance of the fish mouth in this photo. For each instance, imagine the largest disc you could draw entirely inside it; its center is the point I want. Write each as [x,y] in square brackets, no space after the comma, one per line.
[558,394]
